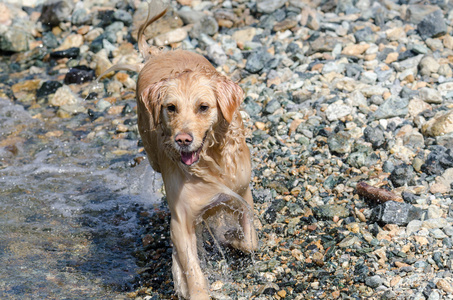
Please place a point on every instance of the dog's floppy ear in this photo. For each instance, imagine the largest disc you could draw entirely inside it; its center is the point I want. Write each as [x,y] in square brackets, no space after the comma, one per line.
[229,97]
[152,97]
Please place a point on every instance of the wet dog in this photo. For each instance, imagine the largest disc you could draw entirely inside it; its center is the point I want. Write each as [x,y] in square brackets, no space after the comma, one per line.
[193,134]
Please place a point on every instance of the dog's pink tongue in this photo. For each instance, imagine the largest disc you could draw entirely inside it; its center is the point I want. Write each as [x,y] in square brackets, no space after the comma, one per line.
[188,158]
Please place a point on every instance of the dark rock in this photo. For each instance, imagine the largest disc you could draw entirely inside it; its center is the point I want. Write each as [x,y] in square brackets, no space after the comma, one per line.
[79,74]
[56,11]
[374,229]
[49,40]
[68,53]
[433,25]
[402,174]
[106,18]
[409,197]
[375,136]
[251,107]
[439,159]
[374,281]
[437,257]
[361,272]
[262,195]
[406,54]
[123,16]
[292,48]
[47,88]
[270,215]
[256,61]
[398,213]
[365,35]
[272,106]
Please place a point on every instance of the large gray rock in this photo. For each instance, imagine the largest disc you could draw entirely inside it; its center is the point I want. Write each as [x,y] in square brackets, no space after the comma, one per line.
[398,213]
[433,25]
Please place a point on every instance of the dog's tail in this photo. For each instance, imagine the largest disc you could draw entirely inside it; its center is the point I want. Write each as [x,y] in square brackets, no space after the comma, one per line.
[156,9]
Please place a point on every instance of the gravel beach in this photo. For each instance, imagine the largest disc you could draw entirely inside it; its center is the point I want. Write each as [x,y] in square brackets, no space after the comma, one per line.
[349,110]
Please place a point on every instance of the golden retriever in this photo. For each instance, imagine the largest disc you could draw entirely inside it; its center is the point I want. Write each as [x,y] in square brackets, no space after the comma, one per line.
[193,134]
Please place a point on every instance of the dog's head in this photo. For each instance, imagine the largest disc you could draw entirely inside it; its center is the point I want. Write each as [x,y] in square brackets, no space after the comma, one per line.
[189,106]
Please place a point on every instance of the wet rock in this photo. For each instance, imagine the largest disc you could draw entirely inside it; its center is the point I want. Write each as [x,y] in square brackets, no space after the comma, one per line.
[64,96]
[398,213]
[56,11]
[79,74]
[14,39]
[68,53]
[47,88]
[433,25]
[401,175]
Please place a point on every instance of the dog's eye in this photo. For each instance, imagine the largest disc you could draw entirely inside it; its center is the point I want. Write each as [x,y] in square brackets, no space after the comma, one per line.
[204,108]
[171,108]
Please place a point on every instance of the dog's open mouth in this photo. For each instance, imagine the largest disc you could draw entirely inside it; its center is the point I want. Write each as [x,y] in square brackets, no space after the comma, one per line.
[189,158]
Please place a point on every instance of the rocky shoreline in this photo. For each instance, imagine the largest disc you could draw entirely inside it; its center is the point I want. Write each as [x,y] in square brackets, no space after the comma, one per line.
[337,93]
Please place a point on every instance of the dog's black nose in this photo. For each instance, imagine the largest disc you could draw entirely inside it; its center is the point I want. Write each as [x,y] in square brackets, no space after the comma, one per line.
[183,139]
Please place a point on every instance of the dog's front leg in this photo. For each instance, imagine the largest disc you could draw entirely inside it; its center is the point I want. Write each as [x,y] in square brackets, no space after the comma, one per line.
[187,275]
[250,242]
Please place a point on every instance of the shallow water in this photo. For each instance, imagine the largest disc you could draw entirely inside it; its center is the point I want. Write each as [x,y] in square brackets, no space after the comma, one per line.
[69,209]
